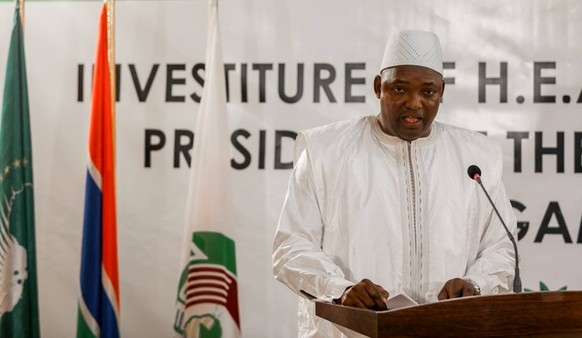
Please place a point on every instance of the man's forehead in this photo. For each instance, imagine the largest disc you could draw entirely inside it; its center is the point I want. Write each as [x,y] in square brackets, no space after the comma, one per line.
[408,73]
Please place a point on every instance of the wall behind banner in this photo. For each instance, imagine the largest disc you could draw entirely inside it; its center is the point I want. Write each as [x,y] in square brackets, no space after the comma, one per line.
[513,70]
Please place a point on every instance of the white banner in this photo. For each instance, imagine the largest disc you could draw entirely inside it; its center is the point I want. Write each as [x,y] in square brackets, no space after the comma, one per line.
[513,70]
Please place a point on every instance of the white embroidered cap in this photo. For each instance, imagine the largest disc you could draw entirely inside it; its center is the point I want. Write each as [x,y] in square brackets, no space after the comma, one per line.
[416,48]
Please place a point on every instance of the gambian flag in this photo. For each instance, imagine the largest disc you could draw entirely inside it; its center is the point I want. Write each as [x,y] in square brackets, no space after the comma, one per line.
[207,301]
[18,290]
[98,314]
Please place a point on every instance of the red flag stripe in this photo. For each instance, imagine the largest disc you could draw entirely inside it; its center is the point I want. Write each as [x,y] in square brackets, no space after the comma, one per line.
[207,276]
[205,301]
[207,288]
[208,284]
[206,268]
[220,272]
[198,293]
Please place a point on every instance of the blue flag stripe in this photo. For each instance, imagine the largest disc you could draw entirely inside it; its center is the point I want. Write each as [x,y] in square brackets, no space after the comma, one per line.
[92,289]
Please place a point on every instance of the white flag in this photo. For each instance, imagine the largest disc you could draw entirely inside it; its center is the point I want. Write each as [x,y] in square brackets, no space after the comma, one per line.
[207,302]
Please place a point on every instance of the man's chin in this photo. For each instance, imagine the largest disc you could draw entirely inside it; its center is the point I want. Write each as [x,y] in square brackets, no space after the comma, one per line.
[409,137]
[413,134]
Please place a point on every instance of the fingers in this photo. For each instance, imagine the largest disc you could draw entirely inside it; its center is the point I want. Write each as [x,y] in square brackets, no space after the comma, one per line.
[378,295]
[468,290]
[383,292]
[444,294]
[366,295]
[455,288]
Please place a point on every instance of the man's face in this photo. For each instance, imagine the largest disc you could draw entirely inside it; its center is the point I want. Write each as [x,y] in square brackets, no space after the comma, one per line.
[409,100]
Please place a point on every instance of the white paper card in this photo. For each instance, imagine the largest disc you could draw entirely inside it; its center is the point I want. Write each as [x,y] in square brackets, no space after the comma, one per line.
[399,301]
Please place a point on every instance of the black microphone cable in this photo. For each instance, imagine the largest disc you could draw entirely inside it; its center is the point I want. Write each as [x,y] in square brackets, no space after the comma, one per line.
[475,174]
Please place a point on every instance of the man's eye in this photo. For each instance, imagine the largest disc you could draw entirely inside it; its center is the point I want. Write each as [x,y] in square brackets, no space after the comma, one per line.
[399,89]
[429,92]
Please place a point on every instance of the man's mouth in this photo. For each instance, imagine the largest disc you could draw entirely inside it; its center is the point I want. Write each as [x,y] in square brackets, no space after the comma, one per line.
[412,120]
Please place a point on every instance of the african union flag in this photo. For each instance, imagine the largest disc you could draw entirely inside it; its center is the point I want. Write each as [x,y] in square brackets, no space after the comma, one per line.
[18,285]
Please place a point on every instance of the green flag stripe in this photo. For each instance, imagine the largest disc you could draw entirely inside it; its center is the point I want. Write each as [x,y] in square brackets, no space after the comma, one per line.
[88,322]
[83,330]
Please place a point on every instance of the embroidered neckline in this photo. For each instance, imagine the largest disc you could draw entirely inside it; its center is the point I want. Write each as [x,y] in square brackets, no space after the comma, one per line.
[385,138]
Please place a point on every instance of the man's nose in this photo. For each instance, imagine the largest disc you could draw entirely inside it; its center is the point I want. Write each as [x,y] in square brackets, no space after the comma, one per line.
[414,101]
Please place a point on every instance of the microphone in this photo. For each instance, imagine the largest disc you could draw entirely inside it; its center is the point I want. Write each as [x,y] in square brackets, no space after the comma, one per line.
[475,174]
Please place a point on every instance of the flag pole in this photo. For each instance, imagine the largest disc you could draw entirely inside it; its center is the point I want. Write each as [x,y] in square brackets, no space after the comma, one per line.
[21,3]
[113,96]
[111,63]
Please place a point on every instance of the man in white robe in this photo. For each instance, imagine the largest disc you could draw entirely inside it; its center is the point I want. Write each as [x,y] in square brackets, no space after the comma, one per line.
[381,205]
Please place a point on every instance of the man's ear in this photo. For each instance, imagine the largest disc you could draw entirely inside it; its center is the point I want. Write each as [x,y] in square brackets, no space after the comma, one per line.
[377,85]
[442,91]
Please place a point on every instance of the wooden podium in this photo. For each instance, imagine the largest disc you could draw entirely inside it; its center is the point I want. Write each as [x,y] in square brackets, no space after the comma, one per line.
[532,314]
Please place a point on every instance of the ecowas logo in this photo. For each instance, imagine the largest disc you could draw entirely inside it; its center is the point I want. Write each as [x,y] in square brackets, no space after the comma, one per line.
[208,293]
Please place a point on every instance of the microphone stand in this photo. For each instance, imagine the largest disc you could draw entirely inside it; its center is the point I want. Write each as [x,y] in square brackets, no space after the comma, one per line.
[517,279]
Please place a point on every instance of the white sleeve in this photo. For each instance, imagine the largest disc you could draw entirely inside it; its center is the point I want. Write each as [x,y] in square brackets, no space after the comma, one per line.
[494,268]
[298,259]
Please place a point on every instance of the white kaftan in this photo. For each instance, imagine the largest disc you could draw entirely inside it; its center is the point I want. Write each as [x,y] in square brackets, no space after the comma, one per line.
[363,204]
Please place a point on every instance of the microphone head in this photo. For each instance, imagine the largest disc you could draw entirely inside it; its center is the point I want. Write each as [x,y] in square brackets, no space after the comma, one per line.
[474,172]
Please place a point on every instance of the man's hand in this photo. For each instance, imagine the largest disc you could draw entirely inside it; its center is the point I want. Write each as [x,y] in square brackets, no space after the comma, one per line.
[457,287]
[365,295]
